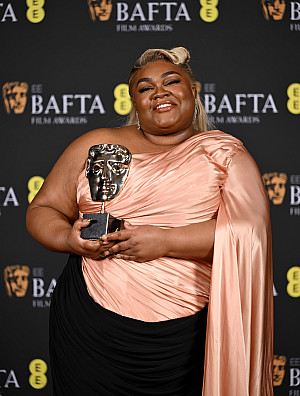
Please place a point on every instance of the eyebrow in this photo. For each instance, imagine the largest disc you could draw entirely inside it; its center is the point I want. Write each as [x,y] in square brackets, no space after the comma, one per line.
[162,76]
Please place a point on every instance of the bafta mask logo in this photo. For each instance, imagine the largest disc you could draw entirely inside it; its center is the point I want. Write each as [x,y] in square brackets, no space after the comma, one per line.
[100,10]
[15,96]
[273,10]
[279,362]
[16,280]
[275,184]
[107,169]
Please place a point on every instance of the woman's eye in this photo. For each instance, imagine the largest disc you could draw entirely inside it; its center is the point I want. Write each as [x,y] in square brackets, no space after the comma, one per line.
[172,82]
[144,89]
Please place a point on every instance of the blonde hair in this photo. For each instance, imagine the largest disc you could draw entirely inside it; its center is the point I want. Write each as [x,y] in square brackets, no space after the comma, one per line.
[178,56]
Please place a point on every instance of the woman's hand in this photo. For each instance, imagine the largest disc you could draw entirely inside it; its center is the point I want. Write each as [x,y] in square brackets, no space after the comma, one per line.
[142,243]
[85,247]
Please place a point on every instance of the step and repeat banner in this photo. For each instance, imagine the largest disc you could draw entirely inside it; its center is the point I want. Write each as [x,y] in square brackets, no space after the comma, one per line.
[64,70]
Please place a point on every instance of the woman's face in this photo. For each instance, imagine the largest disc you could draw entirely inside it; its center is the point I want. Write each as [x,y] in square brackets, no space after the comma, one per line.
[164,98]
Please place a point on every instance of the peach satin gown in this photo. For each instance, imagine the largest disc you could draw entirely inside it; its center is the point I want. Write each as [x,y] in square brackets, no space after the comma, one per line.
[209,175]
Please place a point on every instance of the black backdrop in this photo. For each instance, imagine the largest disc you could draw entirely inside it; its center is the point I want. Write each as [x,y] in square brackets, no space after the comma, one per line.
[59,71]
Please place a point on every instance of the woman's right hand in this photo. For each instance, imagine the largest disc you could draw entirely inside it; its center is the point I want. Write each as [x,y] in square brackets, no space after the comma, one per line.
[84,247]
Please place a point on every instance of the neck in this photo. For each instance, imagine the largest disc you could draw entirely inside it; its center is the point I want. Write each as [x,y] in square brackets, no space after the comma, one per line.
[171,139]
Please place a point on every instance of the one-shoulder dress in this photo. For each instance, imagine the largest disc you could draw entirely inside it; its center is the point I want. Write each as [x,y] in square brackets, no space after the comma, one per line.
[119,327]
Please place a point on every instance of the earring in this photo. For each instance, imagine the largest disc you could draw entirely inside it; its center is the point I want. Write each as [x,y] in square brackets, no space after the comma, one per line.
[196,110]
[138,121]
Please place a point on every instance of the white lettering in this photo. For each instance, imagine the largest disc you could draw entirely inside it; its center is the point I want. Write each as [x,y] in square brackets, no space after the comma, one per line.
[182,12]
[295,195]
[51,287]
[270,104]
[52,105]
[8,13]
[225,104]
[122,14]
[82,101]
[274,291]
[97,104]
[138,12]
[255,101]
[168,10]
[294,377]
[239,102]
[11,197]
[36,104]
[209,103]
[67,103]
[295,11]
[152,10]
[38,287]
[11,379]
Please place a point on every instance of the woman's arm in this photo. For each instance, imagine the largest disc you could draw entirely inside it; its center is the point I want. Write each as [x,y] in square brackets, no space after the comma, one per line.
[52,215]
[145,243]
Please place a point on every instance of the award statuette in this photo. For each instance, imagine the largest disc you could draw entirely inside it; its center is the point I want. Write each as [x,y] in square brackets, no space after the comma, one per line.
[107,169]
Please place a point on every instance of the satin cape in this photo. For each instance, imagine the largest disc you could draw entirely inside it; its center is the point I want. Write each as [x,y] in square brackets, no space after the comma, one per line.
[209,175]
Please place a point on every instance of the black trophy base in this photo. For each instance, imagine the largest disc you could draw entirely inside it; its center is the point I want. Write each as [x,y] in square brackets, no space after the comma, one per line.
[100,224]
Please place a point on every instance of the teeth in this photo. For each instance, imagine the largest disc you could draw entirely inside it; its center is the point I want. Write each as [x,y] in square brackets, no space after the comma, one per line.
[163,105]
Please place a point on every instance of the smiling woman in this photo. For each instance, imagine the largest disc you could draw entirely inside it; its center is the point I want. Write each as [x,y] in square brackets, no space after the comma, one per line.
[129,313]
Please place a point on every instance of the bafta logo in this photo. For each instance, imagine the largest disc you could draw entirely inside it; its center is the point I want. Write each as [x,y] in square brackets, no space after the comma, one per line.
[100,10]
[273,10]
[15,96]
[16,280]
[275,184]
[279,362]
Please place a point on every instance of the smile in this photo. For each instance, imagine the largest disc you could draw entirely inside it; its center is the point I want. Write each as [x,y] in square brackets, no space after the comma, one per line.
[164,106]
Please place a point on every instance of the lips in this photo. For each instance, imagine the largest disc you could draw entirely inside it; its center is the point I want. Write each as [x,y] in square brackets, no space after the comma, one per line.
[164,106]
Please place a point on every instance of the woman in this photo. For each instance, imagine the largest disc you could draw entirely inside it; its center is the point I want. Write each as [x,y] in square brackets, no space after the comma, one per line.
[128,315]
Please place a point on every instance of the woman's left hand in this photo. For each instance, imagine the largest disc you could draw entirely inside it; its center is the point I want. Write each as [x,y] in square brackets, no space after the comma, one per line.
[137,243]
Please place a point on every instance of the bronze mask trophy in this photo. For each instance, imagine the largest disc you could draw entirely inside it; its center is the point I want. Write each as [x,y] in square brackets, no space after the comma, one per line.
[107,169]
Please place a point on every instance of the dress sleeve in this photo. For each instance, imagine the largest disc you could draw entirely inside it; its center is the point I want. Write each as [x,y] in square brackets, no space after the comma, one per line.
[239,342]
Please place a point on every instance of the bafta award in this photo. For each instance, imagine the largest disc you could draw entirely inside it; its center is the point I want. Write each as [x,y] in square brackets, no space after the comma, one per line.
[107,169]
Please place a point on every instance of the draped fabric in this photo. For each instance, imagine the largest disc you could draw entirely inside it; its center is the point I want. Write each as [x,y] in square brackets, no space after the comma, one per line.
[239,344]
[210,174]
[95,351]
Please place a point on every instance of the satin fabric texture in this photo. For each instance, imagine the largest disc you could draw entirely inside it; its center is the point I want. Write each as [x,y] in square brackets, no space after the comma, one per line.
[95,351]
[209,175]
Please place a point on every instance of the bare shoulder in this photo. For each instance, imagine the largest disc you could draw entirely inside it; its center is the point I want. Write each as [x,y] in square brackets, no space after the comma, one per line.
[79,148]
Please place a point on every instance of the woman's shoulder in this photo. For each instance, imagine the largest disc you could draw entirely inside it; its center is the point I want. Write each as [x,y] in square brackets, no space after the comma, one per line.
[81,145]
[219,145]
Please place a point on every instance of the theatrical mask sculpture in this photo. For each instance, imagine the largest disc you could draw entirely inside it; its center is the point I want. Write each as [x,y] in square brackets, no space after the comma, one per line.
[107,169]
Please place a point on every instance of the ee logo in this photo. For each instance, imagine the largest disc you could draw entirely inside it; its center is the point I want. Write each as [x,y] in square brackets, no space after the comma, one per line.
[293,287]
[209,11]
[38,368]
[35,12]
[293,104]
[34,184]
[122,103]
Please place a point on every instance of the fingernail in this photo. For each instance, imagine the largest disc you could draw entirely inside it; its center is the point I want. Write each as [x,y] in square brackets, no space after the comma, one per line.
[88,219]
[101,255]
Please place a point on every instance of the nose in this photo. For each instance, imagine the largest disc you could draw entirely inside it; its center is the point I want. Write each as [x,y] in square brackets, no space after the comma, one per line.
[105,175]
[160,92]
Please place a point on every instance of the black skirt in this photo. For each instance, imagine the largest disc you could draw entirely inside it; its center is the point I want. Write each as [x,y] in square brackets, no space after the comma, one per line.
[94,351]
